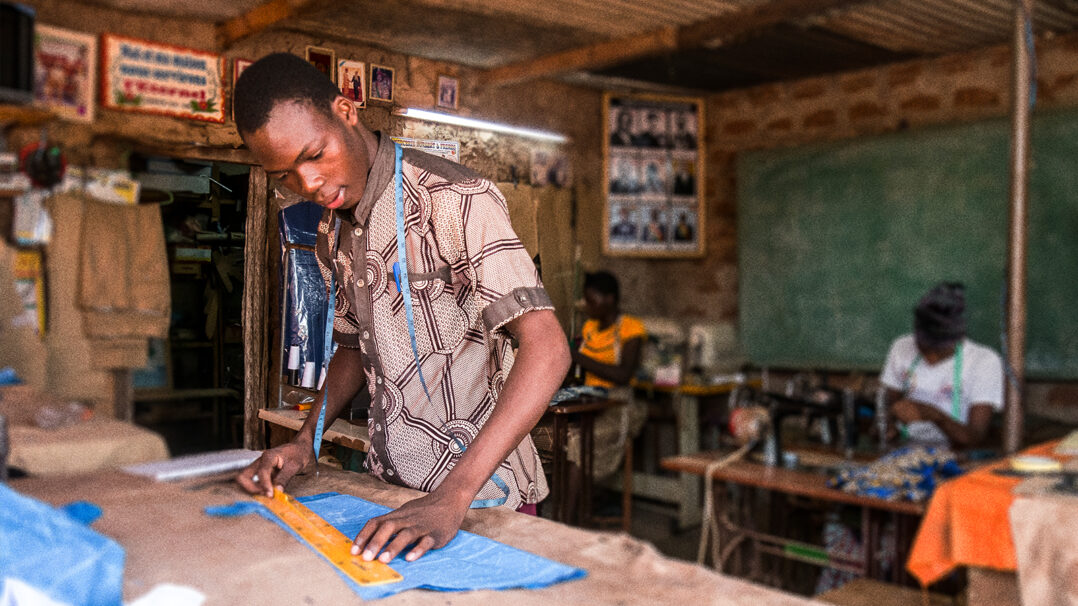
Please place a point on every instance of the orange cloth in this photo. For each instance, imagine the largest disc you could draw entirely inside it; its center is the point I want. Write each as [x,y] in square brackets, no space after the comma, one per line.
[967,523]
[605,345]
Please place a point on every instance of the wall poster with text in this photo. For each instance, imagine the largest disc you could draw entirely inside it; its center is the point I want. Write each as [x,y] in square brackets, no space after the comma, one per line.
[653,171]
[154,78]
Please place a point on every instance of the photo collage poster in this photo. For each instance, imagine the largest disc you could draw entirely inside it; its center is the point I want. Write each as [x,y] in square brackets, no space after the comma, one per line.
[654,176]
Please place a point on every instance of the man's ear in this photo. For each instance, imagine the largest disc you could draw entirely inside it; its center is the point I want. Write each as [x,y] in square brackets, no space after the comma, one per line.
[346,110]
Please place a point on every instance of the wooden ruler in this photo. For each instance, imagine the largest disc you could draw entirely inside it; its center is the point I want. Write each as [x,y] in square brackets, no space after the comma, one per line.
[327,540]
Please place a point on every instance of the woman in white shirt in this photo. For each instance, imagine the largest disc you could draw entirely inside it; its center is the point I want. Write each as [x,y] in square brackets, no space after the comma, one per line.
[942,388]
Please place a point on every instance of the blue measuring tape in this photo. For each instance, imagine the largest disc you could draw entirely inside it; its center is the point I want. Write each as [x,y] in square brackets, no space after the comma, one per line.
[327,346]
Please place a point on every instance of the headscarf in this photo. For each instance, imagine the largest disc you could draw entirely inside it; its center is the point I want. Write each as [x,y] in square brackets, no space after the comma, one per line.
[939,320]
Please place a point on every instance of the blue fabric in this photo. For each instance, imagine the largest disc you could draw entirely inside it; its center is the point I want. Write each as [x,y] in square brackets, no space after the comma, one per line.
[8,376]
[909,473]
[468,562]
[56,553]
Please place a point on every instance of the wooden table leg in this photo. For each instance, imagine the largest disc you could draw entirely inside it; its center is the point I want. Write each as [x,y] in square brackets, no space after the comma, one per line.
[587,452]
[561,483]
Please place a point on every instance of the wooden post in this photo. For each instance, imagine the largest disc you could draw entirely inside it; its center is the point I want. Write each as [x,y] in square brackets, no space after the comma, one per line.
[255,317]
[1019,219]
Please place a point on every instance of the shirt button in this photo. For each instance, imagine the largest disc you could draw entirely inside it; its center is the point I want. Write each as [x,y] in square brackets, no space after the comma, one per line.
[378,380]
[389,472]
[360,283]
[378,427]
[366,335]
[358,231]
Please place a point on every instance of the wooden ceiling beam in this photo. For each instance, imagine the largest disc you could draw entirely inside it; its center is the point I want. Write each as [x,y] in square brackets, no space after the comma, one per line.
[256,20]
[704,33]
[596,55]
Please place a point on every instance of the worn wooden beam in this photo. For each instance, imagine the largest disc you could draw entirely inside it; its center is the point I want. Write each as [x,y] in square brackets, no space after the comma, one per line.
[256,320]
[256,20]
[704,33]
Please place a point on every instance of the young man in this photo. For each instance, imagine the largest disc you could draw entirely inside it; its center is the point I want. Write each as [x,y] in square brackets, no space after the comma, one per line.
[457,425]
[942,387]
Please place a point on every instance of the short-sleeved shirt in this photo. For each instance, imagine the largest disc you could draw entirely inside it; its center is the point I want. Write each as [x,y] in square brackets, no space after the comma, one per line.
[933,384]
[470,276]
[605,345]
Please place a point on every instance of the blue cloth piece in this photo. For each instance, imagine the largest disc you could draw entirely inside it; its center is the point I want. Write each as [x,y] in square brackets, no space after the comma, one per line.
[82,511]
[8,376]
[468,562]
[49,549]
[908,473]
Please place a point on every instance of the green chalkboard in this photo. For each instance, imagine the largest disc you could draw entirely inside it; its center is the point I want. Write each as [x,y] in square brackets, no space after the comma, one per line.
[836,242]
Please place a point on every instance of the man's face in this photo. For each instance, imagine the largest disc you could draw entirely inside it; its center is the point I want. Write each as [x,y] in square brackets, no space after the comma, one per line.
[320,158]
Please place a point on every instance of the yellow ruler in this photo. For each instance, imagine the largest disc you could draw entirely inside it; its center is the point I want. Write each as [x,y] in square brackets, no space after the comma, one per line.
[328,541]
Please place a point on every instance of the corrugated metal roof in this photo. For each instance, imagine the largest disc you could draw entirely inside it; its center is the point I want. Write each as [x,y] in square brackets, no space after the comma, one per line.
[840,36]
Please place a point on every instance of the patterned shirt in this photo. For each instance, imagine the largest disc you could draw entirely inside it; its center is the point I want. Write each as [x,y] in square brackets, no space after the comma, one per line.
[470,276]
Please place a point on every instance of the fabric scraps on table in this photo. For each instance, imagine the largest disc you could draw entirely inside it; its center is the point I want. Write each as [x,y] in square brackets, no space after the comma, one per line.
[910,473]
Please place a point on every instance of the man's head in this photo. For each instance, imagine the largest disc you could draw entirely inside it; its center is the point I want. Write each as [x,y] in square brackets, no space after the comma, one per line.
[939,320]
[625,120]
[601,294]
[303,132]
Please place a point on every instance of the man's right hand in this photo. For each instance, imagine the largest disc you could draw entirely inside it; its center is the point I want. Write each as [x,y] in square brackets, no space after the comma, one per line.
[275,467]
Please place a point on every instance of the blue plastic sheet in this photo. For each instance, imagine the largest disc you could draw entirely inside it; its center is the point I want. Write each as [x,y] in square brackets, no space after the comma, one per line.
[468,562]
[53,551]
[304,303]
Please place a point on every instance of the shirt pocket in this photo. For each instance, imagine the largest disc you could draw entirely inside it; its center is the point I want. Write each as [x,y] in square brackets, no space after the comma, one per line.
[440,322]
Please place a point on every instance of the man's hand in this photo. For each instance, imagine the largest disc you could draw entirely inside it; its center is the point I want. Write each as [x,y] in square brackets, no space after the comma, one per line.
[275,467]
[428,522]
[907,411]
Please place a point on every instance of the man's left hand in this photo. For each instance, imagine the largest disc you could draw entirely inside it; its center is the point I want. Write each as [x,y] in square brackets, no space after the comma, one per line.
[426,523]
[907,411]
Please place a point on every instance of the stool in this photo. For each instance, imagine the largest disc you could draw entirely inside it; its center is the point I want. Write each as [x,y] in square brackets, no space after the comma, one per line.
[867,592]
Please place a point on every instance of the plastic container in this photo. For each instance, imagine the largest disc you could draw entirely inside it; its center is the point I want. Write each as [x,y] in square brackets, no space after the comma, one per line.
[62,415]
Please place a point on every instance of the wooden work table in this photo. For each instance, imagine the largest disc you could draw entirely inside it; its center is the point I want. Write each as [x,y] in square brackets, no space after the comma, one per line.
[736,524]
[249,560]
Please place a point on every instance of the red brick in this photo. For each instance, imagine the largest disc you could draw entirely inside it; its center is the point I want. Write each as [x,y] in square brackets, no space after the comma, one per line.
[865,110]
[921,103]
[739,127]
[808,89]
[762,95]
[975,97]
[858,82]
[901,75]
[782,125]
[824,117]
[999,56]
[955,64]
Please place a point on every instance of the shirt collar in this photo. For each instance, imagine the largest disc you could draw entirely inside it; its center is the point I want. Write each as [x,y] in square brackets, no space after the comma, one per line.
[378,179]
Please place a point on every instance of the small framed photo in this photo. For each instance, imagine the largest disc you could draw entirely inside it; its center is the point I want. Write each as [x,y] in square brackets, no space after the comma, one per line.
[381,83]
[351,80]
[324,59]
[238,65]
[448,92]
[65,71]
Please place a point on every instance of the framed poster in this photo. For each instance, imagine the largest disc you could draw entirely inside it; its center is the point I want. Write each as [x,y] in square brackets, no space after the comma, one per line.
[653,152]
[325,60]
[153,78]
[448,92]
[65,71]
[352,81]
[381,83]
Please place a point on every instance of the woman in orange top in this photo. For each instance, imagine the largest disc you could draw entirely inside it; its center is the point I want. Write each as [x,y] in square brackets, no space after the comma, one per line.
[612,342]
